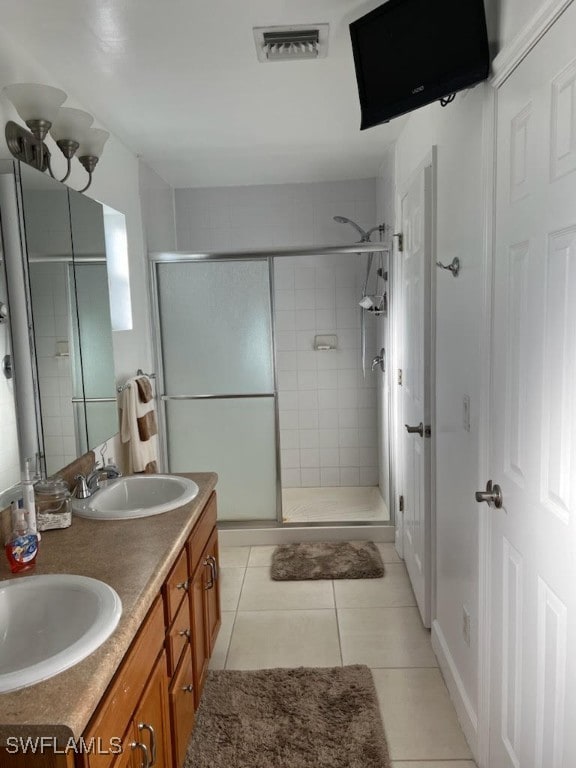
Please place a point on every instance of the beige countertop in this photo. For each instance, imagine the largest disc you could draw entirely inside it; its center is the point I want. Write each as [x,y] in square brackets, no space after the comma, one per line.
[134,557]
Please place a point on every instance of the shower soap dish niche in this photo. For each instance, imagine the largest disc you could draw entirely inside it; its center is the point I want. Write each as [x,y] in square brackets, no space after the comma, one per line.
[326,342]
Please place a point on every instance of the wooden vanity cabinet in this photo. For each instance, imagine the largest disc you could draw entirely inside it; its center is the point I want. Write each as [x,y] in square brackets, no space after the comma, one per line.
[149,707]
[204,570]
[135,706]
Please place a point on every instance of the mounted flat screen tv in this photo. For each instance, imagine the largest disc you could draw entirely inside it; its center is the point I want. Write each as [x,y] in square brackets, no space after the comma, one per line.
[408,53]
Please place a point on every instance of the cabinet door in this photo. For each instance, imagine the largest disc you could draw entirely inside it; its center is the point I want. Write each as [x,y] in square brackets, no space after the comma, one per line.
[151,723]
[212,591]
[182,707]
[199,644]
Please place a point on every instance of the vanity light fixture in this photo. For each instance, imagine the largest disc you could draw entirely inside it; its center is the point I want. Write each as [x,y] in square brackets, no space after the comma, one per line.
[40,106]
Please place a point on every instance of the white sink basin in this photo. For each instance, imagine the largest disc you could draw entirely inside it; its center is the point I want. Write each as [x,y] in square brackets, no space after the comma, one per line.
[137,496]
[50,623]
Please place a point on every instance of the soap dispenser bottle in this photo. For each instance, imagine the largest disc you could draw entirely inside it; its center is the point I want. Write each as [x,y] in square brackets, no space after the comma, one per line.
[22,545]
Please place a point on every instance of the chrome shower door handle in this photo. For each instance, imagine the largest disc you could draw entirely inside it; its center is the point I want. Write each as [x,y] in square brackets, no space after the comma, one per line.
[492,495]
[419,430]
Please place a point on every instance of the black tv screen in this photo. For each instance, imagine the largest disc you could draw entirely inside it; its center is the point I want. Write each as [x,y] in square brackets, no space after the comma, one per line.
[408,53]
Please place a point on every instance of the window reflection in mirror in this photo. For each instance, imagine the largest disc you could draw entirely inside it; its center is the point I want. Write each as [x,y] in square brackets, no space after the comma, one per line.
[64,233]
[92,358]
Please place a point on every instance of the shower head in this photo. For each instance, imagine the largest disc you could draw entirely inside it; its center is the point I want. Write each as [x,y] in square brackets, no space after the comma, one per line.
[343,220]
[364,236]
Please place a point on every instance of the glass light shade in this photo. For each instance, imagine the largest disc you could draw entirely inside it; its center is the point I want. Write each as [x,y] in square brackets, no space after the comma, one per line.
[34,101]
[93,142]
[71,124]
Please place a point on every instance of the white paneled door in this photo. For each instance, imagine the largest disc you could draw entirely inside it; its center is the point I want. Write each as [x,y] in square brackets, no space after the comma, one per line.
[533,416]
[415,397]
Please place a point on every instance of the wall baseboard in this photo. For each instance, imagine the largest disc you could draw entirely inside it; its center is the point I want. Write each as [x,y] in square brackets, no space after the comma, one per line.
[464,709]
[245,537]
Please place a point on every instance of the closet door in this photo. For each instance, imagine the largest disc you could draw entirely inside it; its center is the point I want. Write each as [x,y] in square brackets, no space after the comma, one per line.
[218,379]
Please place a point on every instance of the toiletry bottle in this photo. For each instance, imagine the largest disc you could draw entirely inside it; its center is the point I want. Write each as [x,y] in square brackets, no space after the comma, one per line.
[29,498]
[22,546]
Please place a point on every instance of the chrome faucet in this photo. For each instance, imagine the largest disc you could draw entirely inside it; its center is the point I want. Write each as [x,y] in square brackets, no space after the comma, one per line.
[87,485]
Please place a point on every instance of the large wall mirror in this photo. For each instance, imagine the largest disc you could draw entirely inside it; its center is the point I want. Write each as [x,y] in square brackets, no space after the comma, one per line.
[63,242]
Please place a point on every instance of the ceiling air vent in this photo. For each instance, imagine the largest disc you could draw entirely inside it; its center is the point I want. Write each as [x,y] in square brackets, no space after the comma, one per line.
[293,43]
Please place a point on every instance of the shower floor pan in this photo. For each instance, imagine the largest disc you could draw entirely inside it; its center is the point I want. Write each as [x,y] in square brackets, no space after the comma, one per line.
[333,504]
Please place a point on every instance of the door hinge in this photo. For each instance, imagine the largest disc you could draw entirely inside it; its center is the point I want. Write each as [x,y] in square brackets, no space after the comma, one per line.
[400,237]
[401,504]
[399,377]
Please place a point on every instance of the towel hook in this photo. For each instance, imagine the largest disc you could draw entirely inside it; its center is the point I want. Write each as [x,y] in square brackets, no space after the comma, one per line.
[454,267]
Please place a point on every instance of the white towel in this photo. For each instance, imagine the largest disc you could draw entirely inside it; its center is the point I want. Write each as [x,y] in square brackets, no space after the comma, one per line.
[140,452]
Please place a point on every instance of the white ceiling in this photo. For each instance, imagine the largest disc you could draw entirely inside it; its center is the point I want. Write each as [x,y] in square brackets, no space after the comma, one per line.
[179,82]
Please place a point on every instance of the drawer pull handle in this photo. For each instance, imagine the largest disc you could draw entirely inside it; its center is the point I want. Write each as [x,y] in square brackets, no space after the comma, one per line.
[183,585]
[152,732]
[208,564]
[214,566]
[146,757]
[188,688]
[184,633]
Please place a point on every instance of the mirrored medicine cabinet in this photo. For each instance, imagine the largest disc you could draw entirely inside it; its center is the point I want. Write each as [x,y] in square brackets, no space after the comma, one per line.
[56,287]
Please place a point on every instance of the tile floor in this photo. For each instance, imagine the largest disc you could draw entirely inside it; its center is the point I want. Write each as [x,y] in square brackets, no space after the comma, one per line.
[327,623]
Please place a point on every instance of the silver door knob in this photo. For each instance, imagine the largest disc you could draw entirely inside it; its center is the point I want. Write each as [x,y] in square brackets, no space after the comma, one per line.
[492,495]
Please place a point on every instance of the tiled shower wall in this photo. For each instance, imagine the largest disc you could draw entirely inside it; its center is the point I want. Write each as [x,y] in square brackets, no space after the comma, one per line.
[52,325]
[328,416]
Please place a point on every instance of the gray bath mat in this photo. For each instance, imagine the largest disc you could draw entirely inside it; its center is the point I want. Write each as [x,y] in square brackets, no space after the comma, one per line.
[289,718]
[327,560]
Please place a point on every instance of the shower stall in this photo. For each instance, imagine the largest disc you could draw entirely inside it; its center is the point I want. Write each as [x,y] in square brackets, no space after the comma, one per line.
[271,373]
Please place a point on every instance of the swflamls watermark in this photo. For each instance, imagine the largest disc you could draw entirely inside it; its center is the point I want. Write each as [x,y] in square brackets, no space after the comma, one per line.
[32,745]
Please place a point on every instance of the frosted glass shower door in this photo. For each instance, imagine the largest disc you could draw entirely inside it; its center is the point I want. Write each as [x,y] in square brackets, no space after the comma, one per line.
[218,379]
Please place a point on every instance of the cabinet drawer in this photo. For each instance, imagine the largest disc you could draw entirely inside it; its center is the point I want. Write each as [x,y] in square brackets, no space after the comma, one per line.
[201,533]
[178,637]
[182,708]
[117,705]
[176,587]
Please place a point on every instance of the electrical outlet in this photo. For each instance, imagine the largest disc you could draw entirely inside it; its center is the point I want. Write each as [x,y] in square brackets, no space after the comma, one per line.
[466,413]
[466,625]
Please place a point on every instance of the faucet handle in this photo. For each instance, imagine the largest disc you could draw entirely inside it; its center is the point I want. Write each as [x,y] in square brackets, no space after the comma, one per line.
[81,490]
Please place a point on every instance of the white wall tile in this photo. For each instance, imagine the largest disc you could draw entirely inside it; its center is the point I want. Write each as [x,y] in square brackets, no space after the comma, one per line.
[329,418]
[288,380]
[308,419]
[305,299]
[289,458]
[329,457]
[329,476]
[329,438]
[285,320]
[309,438]
[309,457]
[291,439]
[308,400]
[291,478]
[308,380]
[350,457]
[310,477]
[285,340]
[349,476]
[328,399]
[306,321]
[284,300]
[305,277]
[288,400]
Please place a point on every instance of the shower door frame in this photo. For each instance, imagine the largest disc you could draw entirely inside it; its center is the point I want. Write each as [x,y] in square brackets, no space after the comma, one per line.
[167,257]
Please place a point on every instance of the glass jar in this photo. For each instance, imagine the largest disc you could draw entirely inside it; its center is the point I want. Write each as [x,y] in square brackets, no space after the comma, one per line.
[53,507]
